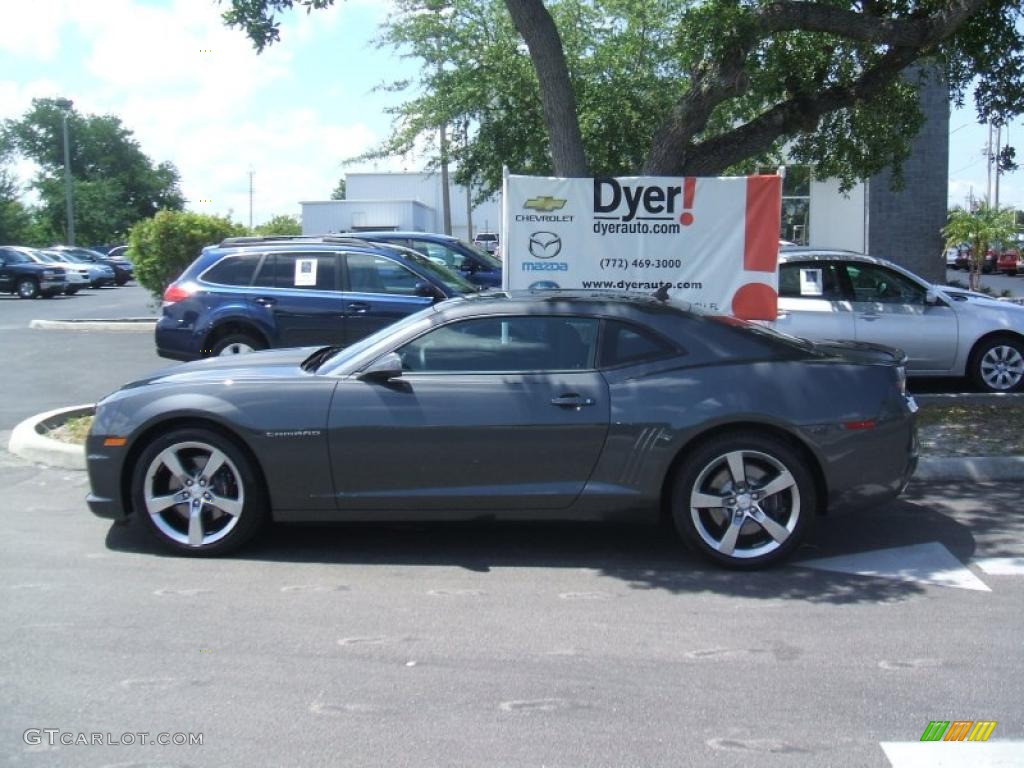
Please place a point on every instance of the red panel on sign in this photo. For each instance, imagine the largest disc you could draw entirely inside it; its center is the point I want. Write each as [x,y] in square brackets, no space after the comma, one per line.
[761,243]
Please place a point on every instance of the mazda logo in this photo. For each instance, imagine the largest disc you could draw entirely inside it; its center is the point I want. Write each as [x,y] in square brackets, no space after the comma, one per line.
[545,245]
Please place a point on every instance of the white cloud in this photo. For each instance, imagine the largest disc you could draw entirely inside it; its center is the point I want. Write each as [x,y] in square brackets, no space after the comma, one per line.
[195,92]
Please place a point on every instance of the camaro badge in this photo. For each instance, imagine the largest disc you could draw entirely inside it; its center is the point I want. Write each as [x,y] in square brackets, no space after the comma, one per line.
[295,433]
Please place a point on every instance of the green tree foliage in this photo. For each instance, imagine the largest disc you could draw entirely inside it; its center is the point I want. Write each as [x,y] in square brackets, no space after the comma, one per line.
[282,224]
[979,228]
[114,183]
[163,246]
[682,86]
[339,191]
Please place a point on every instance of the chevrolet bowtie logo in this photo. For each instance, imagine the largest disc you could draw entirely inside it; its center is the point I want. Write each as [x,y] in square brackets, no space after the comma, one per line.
[546,203]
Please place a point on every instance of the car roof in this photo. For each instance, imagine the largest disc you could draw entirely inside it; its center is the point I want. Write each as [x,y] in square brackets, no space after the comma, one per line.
[399,234]
[807,253]
[563,301]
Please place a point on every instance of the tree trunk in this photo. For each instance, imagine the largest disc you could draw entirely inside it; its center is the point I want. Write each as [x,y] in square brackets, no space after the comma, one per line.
[557,97]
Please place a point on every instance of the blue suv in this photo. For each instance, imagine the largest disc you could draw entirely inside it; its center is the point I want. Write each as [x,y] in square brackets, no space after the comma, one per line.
[476,265]
[251,293]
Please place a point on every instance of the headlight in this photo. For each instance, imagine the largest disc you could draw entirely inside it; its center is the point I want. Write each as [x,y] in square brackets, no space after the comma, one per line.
[49,273]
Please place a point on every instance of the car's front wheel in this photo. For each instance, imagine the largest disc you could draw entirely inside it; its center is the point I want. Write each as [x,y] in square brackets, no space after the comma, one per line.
[197,492]
[71,290]
[743,501]
[998,365]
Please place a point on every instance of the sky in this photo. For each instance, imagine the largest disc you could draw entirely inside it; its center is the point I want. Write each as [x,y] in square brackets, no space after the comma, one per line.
[197,94]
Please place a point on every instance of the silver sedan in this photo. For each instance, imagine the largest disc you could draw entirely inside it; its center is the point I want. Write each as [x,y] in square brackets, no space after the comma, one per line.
[830,294]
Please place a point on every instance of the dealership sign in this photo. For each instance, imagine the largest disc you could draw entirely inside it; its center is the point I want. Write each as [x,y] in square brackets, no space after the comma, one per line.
[713,241]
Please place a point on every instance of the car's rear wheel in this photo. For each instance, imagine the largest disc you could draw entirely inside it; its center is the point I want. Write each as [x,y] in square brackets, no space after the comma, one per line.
[71,290]
[197,492]
[237,344]
[743,501]
[27,288]
[998,365]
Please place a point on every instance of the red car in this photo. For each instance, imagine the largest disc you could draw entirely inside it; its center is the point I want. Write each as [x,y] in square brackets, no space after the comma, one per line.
[1009,261]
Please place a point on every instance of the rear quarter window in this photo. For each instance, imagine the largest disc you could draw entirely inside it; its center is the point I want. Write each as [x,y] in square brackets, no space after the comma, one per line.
[233,270]
[624,344]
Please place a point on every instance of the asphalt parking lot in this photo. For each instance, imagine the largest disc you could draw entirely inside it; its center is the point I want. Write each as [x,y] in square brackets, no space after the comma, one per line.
[483,645]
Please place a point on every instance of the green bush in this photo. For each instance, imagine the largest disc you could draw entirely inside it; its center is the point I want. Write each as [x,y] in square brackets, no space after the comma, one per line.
[162,247]
[279,225]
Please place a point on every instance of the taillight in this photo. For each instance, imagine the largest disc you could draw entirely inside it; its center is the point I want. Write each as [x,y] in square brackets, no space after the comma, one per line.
[901,379]
[176,293]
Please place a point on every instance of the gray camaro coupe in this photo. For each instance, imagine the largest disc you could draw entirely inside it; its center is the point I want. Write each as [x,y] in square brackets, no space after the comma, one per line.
[534,405]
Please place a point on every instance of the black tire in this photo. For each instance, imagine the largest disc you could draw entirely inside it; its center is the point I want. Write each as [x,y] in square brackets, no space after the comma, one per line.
[27,288]
[766,462]
[236,344]
[71,290]
[232,506]
[997,365]
[121,281]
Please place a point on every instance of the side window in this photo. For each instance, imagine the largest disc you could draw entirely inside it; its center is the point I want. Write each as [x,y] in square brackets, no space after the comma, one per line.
[439,254]
[375,274]
[233,270]
[505,344]
[623,344]
[874,283]
[809,280]
[308,271]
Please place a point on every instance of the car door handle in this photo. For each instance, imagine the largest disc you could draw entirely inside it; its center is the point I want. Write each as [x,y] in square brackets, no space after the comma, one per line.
[871,317]
[265,301]
[358,308]
[571,401]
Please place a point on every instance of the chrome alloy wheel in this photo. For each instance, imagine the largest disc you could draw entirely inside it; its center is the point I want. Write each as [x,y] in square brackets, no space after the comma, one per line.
[745,504]
[236,348]
[1002,367]
[193,493]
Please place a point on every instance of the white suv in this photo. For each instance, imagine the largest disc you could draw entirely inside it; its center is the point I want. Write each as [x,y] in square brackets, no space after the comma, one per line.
[486,240]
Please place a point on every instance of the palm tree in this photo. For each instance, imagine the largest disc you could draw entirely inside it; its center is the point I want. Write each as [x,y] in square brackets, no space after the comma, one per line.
[979,228]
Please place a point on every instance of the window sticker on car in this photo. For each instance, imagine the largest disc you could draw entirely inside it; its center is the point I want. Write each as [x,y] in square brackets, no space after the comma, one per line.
[810,282]
[305,272]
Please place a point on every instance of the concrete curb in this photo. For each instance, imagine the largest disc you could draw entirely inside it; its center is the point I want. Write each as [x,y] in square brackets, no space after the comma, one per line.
[964,468]
[29,441]
[970,398]
[131,324]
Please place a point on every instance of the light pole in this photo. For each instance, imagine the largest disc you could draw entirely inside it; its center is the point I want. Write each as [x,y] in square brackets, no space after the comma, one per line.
[65,106]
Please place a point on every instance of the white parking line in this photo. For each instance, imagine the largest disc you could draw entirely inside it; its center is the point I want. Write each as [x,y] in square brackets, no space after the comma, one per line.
[940,754]
[929,563]
[1001,566]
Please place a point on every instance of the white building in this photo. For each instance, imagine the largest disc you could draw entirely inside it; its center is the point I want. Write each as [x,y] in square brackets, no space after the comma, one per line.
[398,201]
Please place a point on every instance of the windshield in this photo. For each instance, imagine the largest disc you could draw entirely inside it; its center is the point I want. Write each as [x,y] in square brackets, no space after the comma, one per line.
[68,256]
[484,256]
[350,353]
[443,275]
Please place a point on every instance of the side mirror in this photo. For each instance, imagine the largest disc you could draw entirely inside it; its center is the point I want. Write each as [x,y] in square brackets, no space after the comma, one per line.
[383,368]
[426,289]
[931,298]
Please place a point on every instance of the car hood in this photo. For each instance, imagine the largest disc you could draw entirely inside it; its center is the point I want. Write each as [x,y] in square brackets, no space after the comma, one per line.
[269,364]
[974,302]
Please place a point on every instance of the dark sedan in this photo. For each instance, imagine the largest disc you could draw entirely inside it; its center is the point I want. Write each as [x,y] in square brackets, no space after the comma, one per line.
[546,405]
